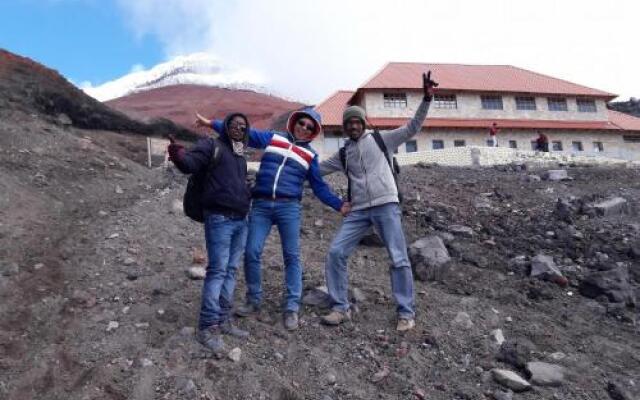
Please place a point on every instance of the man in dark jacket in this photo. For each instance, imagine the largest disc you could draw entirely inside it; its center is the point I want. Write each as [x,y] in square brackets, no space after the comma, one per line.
[226,198]
[542,142]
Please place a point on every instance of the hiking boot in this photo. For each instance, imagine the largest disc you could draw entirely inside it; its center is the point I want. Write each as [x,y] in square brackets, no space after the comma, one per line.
[227,328]
[210,338]
[336,317]
[247,309]
[405,324]
[291,320]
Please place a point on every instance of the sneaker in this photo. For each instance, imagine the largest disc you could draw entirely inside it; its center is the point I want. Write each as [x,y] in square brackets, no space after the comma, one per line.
[210,338]
[247,309]
[405,324]
[291,320]
[336,317]
[227,328]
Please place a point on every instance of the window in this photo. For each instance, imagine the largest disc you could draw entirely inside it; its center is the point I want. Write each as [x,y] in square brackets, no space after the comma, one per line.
[411,146]
[525,103]
[395,100]
[586,105]
[445,101]
[576,146]
[332,144]
[513,144]
[556,145]
[459,143]
[557,104]
[437,144]
[491,102]
[598,147]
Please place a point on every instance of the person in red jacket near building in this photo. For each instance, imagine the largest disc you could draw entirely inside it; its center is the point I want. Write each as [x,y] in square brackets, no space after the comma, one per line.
[493,135]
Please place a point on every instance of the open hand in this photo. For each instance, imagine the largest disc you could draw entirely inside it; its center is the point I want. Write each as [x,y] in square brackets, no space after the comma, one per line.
[428,86]
[202,122]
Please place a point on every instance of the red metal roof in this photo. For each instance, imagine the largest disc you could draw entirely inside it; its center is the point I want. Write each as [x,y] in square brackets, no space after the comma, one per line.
[331,109]
[624,121]
[483,78]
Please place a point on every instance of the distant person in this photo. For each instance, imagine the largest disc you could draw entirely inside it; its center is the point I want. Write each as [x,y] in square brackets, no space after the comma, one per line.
[225,199]
[288,162]
[542,142]
[493,135]
[373,193]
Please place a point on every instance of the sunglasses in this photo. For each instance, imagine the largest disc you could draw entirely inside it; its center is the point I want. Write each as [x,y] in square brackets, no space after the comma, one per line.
[309,127]
[241,128]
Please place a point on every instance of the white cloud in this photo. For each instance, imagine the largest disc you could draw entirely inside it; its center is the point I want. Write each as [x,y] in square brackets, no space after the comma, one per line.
[308,49]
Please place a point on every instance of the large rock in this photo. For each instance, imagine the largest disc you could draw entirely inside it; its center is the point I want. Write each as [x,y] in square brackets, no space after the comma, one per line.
[510,379]
[461,230]
[614,206]
[614,284]
[543,266]
[545,374]
[317,297]
[429,256]
[556,175]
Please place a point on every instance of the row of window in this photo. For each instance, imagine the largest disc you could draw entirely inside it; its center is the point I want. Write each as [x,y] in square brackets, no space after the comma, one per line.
[492,102]
[412,145]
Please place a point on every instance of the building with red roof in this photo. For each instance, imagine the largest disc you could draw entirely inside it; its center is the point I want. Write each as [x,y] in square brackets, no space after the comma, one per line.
[471,98]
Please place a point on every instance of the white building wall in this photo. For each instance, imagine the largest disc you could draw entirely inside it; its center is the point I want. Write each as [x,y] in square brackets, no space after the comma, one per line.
[469,106]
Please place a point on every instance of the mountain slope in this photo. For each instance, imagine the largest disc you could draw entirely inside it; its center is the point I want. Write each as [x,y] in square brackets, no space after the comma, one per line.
[179,103]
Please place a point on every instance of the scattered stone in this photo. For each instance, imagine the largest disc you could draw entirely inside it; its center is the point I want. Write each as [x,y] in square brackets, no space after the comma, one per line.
[544,267]
[319,223]
[510,379]
[515,352]
[198,256]
[119,190]
[145,362]
[532,178]
[614,206]
[461,230]
[617,392]
[10,269]
[234,354]
[187,331]
[358,295]
[613,284]
[317,297]
[63,119]
[176,207]
[129,261]
[463,320]
[186,386]
[557,356]
[330,379]
[102,213]
[380,375]
[556,175]
[112,326]
[500,395]
[113,236]
[545,374]
[196,273]
[38,266]
[497,336]
[429,257]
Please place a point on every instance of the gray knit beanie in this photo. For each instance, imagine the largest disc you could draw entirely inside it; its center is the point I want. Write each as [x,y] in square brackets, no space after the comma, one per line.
[354,111]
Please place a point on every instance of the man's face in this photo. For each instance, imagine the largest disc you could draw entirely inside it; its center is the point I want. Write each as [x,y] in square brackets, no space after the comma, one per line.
[304,129]
[237,128]
[354,128]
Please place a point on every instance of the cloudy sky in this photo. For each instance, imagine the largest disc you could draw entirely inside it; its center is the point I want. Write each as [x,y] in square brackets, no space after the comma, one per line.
[308,49]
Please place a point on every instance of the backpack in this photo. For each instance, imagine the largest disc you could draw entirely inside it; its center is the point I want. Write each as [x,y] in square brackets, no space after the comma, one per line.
[391,161]
[192,200]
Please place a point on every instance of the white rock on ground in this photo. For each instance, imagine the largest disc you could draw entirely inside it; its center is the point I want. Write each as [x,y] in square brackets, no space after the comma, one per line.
[463,320]
[497,336]
[545,374]
[556,175]
[197,273]
[235,354]
[510,379]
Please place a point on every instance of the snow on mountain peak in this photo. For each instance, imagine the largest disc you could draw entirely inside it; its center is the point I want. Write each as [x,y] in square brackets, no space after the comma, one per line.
[194,69]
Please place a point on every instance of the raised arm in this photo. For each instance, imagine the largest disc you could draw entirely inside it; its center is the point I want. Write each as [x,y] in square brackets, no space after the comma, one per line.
[331,164]
[195,159]
[320,187]
[396,137]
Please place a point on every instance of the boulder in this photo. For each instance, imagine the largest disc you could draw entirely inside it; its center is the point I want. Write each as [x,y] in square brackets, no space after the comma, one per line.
[545,374]
[543,266]
[556,175]
[614,206]
[510,379]
[429,257]
[614,284]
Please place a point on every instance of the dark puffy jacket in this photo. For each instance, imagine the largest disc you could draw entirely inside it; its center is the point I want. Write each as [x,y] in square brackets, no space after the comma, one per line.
[226,191]
[287,163]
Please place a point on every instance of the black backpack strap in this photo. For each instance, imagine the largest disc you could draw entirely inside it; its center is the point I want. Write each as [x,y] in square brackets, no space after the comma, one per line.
[343,160]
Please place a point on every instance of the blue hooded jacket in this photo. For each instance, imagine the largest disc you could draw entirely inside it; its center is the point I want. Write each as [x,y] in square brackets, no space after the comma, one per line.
[288,162]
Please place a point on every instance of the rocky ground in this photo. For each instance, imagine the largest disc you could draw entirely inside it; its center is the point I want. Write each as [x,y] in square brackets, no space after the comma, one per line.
[96,300]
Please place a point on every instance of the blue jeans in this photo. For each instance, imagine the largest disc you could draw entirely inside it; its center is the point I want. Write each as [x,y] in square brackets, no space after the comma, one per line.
[387,221]
[225,238]
[286,216]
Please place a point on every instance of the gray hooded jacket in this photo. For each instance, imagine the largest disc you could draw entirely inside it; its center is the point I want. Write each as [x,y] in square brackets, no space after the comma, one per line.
[372,182]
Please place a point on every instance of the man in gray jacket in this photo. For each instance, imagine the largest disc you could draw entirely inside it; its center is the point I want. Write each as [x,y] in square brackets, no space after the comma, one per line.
[374,201]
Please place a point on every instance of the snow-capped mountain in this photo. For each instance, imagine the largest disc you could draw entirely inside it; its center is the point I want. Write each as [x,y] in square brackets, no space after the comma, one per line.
[195,69]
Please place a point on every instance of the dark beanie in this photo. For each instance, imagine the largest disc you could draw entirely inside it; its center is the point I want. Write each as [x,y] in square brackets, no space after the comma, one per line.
[354,111]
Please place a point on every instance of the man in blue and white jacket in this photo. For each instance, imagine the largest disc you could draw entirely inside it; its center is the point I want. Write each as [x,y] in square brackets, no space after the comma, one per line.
[287,162]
